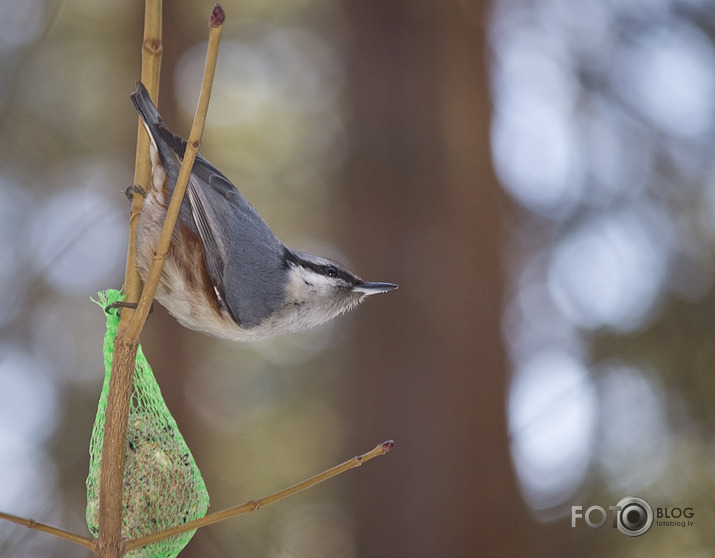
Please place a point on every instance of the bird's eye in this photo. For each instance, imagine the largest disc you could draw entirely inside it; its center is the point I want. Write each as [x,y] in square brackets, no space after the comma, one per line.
[331,271]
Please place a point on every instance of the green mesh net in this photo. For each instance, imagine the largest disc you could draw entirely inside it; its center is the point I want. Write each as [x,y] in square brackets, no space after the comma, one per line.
[162,483]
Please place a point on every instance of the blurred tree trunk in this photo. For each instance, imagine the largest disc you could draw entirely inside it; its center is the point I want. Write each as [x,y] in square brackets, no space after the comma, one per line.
[433,374]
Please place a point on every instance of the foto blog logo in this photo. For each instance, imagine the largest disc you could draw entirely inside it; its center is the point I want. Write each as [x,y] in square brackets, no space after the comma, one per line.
[632,516]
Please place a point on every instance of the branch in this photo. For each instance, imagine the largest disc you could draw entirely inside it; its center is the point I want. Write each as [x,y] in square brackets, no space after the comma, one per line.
[151,67]
[109,542]
[61,533]
[255,505]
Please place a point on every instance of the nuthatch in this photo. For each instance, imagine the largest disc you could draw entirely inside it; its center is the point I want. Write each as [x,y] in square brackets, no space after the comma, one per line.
[226,273]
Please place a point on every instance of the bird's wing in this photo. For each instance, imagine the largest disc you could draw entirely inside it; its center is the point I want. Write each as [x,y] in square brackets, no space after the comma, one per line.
[243,256]
[215,251]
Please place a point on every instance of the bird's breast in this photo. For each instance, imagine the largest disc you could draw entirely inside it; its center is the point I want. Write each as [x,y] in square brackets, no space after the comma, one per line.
[185,287]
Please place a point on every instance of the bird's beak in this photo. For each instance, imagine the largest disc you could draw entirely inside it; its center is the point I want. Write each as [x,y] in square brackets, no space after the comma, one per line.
[373,288]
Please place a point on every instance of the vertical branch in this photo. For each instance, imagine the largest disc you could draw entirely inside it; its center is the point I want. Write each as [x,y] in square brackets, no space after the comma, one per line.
[109,542]
[151,68]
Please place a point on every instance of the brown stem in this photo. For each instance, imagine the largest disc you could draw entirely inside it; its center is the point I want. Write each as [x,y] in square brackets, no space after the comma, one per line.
[109,543]
[61,533]
[151,67]
[255,505]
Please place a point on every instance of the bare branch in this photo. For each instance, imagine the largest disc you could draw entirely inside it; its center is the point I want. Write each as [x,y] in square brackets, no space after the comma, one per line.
[109,543]
[61,533]
[255,505]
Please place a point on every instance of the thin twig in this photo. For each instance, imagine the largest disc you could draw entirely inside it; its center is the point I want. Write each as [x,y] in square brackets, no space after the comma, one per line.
[151,69]
[61,533]
[255,505]
[109,543]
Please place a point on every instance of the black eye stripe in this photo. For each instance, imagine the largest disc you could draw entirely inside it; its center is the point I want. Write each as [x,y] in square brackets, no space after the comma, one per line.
[329,270]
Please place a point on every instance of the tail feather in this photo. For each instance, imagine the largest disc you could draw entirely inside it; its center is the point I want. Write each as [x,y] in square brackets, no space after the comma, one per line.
[171,148]
[146,108]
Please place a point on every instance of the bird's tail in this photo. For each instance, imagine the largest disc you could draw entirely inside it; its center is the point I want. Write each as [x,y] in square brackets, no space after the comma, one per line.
[169,146]
[146,108]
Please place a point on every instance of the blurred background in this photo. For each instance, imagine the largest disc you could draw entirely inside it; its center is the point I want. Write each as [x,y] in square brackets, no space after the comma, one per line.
[537,175]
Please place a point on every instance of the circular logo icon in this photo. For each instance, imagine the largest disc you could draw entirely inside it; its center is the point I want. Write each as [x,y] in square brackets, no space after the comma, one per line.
[634,517]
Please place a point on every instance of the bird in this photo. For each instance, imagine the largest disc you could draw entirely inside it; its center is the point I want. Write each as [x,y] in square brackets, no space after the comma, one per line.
[227,274]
